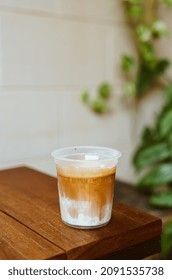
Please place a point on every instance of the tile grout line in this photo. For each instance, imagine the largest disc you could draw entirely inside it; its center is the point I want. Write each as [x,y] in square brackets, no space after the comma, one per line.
[56,15]
[49,87]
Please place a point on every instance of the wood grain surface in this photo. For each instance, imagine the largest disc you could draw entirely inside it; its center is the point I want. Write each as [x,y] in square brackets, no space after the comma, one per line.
[31,199]
[17,242]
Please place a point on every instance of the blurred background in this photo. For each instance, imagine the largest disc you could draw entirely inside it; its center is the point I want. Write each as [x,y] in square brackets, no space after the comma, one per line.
[53,50]
[49,52]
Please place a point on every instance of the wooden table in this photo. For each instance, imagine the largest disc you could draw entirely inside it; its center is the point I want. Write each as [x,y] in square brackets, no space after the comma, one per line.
[31,228]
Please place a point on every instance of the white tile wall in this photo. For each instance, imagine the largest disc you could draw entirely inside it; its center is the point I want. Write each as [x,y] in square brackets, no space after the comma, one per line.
[45,51]
[109,10]
[147,110]
[0,54]
[30,124]
[118,42]
[49,51]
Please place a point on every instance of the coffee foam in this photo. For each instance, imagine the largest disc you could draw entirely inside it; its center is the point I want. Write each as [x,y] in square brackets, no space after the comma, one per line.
[85,172]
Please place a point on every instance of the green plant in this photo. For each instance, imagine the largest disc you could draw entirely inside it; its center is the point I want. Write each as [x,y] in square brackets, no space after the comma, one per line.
[155,149]
[167,241]
[143,72]
[100,103]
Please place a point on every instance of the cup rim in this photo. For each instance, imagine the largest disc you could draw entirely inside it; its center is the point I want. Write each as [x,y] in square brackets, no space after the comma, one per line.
[116,153]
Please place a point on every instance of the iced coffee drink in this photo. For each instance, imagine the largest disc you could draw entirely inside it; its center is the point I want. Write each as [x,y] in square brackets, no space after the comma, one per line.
[86,177]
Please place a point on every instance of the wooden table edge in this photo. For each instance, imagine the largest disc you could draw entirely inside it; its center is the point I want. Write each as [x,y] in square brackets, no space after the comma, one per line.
[60,256]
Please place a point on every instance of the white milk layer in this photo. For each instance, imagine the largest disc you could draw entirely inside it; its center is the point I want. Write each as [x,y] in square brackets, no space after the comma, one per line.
[80,213]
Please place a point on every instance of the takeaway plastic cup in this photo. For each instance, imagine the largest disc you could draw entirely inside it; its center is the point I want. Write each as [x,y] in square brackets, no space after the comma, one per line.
[86,177]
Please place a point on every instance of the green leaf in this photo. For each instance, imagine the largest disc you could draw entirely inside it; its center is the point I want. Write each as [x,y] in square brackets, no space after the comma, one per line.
[162,66]
[135,11]
[150,155]
[134,1]
[147,75]
[168,92]
[127,62]
[143,33]
[166,240]
[148,52]
[85,96]
[163,199]
[159,29]
[169,140]
[165,124]
[129,89]
[160,175]
[99,105]
[149,136]
[104,90]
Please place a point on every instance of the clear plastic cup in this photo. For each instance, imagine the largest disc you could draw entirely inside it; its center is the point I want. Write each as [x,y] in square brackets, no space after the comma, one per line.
[86,177]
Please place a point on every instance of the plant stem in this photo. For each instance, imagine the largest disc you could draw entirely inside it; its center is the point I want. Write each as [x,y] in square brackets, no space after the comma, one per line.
[150,10]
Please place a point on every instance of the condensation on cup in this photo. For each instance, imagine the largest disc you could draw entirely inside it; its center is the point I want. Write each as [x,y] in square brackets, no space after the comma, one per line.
[86,177]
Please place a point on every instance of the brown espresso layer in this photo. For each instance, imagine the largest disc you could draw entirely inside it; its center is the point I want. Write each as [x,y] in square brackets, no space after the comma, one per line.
[93,186]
